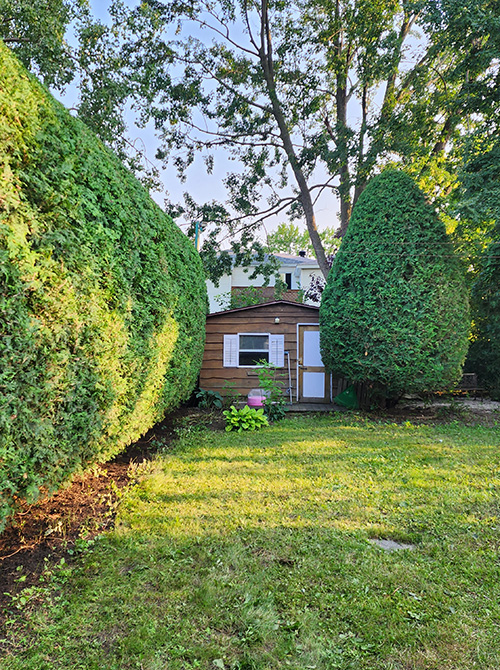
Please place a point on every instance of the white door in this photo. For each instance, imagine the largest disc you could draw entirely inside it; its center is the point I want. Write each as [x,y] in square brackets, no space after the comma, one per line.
[313,380]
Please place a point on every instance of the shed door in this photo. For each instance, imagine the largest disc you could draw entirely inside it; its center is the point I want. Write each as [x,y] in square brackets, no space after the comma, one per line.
[314,382]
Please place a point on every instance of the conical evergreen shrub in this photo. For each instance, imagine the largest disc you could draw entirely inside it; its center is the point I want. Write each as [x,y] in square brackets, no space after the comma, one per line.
[102,298]
[394,312]
[484,352]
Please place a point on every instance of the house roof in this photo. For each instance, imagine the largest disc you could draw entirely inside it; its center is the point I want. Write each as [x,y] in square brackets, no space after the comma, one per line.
[286,259]
[264,304]
[289,259]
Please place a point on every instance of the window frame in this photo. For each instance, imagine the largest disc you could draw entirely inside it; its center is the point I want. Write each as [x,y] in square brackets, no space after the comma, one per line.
[231,350]
[267,351]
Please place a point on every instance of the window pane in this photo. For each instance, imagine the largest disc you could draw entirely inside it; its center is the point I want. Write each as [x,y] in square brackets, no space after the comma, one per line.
[254,342]
[249,358]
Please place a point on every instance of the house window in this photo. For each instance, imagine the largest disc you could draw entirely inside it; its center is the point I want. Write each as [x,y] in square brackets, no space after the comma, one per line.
[287,279]
[247,349]
[252,349]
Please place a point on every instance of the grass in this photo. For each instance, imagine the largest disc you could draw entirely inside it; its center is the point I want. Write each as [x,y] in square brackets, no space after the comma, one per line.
[252,551]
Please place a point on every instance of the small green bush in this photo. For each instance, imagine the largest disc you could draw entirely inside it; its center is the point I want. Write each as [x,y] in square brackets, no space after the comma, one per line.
[209,399]
[102,298]
[246,418]
[394,312]
[274,401]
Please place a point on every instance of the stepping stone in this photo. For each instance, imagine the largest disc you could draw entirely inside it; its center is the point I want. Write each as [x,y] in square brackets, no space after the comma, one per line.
[390,545]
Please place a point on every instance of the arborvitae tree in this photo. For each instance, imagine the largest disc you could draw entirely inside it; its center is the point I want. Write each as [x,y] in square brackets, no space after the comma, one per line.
[102,298]
[480,226]
[484,354]
[394,313]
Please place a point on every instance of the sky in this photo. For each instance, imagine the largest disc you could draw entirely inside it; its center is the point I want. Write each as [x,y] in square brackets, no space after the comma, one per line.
[200,185]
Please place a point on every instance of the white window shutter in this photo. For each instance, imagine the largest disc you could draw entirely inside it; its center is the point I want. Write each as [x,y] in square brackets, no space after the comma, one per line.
[277,350]
[230,351]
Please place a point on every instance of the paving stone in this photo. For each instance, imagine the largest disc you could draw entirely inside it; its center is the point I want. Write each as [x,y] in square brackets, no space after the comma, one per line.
[390,545]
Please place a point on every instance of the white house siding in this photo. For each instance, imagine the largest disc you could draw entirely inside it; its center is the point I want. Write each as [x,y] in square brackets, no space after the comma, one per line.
[301,272]
[213,291]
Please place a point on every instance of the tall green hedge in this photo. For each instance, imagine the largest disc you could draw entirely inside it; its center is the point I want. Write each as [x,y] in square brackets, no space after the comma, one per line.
[484,352]
[102,298]
[394,312]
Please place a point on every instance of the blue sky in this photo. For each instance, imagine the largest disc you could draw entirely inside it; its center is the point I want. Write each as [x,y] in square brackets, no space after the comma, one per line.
[199,185]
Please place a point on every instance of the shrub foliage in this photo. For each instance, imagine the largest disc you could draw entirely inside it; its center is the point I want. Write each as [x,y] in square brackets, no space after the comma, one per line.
[102,298]
[484,352]
[394,312]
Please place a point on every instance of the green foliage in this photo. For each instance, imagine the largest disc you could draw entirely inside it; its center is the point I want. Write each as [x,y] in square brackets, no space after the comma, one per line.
[245,418]
[480,229]
[394,312]
[246,297]
[230,393]
[484,353]
[250,295]
[277,95]
[209,399]
[274,402]
[35,31]
[102,298]
[288,238]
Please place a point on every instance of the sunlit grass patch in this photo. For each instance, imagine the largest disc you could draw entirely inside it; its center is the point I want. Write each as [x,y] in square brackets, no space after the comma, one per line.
[243,551]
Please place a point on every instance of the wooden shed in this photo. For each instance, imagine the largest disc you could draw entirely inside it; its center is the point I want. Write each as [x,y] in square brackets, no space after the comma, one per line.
[281,332]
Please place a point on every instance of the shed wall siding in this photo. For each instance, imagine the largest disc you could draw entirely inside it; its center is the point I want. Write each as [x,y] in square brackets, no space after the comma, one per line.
[214,376]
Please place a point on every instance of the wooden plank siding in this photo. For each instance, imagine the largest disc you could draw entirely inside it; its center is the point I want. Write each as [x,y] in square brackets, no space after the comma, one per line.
[256,319]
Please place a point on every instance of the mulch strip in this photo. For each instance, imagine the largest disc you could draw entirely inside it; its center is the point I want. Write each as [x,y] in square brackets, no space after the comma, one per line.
[48,529]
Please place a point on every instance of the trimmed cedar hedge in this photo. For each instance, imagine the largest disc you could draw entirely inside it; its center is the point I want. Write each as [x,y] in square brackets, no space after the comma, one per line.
[394,312]
[484,351]
[102,298]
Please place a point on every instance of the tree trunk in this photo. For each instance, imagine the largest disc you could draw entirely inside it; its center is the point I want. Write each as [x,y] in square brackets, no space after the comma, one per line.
[345,177]
[266,60]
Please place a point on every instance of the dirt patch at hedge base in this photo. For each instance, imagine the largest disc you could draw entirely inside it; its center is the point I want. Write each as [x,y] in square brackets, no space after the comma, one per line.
[49,529]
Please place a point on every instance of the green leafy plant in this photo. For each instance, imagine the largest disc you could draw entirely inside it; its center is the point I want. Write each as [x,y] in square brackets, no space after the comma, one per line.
[230,395]
[102,297]
[280,288]
[274,401]
[246,297]
[209,399]
[246,418]
[394,313]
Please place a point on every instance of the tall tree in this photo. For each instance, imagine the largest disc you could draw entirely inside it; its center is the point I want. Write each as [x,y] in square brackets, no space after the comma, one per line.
[307,95]
[36,32]
[288,238]
[298,90]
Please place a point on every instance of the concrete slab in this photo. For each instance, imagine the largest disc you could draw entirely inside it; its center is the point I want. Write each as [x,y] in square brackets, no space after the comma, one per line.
[314,407]
[390,545]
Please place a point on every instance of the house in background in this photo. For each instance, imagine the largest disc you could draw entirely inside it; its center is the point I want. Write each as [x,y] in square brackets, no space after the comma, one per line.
[282,332]
[295,271]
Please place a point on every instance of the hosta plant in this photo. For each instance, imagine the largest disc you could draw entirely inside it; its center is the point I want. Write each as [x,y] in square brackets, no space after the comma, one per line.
[246,418]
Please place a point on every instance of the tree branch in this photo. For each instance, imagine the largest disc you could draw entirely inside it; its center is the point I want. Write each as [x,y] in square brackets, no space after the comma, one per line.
[225,35]
[305,195]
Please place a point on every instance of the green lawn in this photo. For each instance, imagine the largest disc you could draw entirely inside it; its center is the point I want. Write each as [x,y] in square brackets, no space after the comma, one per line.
[252,551]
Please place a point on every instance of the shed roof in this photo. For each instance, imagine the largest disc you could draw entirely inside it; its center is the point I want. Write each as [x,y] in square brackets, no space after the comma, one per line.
[264,304]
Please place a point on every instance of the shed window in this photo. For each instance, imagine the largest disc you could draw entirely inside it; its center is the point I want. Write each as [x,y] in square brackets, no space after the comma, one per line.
[247,349]
[252,349]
